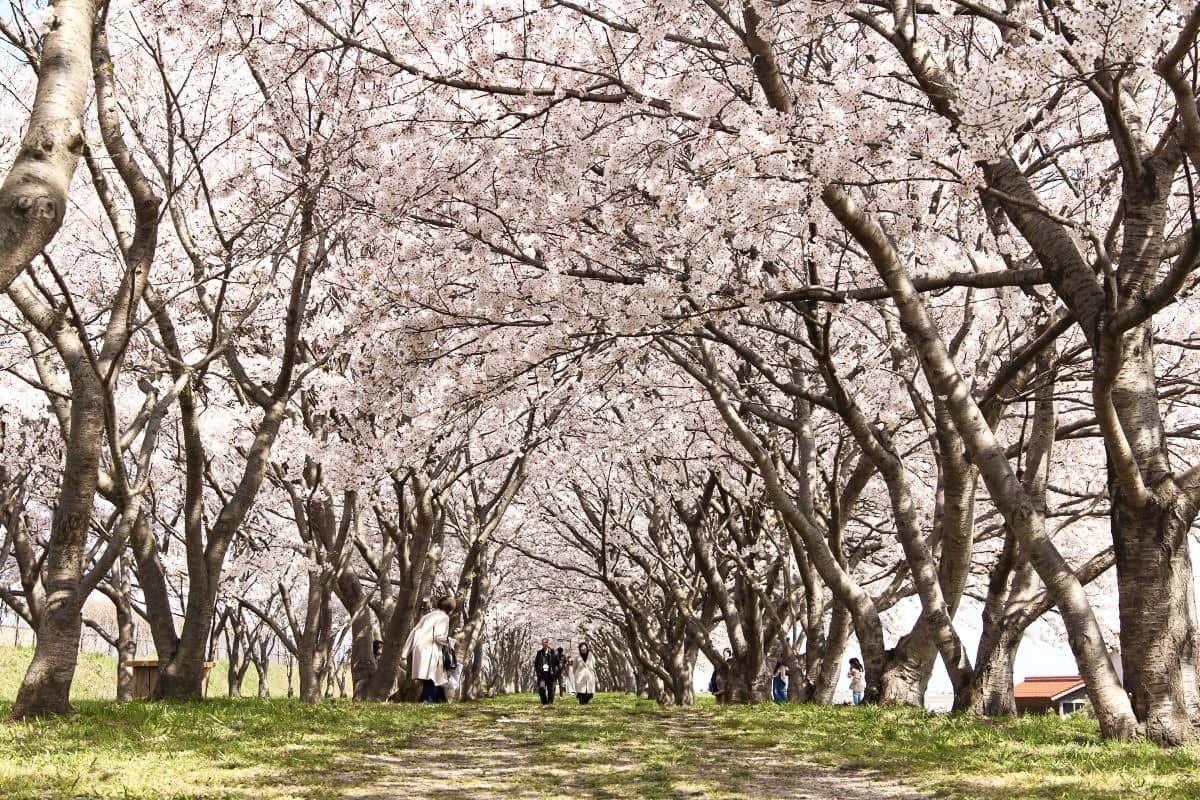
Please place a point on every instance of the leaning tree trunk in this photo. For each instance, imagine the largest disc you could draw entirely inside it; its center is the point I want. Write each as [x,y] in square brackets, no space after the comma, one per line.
[828,667]
[907,668]
[33,198]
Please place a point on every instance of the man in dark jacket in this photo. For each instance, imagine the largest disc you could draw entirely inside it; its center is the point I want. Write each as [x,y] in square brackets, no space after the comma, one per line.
[545,672]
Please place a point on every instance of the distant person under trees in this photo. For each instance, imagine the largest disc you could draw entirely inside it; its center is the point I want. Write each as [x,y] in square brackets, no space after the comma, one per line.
[779,684]
[425,643]
[545,671]
[583,675]
[563,665]
[718,684]
[858,681]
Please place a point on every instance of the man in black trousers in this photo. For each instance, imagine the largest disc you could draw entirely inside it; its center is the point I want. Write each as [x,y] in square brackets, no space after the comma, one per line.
[545,671]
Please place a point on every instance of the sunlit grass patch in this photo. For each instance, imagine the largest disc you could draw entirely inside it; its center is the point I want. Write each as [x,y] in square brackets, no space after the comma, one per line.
[615,748]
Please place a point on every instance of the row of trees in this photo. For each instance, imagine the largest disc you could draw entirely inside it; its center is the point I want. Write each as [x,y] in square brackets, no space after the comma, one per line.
[693,324]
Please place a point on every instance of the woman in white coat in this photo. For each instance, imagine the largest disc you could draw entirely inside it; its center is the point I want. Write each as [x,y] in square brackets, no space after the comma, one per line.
[583,671]
[425,643]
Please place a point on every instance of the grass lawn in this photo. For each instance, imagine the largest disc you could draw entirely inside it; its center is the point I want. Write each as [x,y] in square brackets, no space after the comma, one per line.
[96,676]
[616,748]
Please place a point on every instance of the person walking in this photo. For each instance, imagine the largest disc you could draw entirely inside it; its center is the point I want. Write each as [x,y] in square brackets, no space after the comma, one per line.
[719,683]
[545,672]
[568,681]
[425,643]
[858,681]
[779,686]
[562,665]
[583,674]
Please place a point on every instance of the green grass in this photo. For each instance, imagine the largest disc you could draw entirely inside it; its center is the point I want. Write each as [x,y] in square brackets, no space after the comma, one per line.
[210,749]
[961,757]
[96,676]
[618,747]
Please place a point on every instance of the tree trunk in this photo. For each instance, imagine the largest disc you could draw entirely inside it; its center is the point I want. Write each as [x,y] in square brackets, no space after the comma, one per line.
[907,669]
[1026,520]
[362,647]
[310,681]
[1158,621]
[235,680]
[683,666]
[824,683]
[260,657]
[182,674]
[126,640]
[46,689]
[992,688]
[33,198]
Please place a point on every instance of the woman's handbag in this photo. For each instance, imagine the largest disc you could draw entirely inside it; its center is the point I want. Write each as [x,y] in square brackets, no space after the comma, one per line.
[449,658]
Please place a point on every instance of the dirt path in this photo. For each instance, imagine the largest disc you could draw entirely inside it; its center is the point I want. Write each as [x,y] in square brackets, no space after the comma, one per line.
[486,754]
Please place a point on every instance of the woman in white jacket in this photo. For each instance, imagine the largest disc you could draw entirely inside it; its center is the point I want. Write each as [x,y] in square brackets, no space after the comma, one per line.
[583,671]
[425,643]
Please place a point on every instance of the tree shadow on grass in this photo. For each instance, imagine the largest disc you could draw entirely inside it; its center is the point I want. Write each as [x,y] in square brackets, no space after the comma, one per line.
[203,749]
[613,750]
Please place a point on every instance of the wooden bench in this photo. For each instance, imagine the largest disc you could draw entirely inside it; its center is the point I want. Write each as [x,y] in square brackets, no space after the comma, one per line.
[145,677]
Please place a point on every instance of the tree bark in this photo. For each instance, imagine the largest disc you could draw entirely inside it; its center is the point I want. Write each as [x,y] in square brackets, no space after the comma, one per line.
[33,198]
[1158,619]
[46,687]
[1020,512]
[126,634]
[992,687]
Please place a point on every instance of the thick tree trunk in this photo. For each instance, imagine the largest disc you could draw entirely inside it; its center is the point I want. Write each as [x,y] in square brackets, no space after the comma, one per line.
[992,687]
[1158,622]
[907,671]
[182,674]
[1154,570]
[46,689]
[310,681]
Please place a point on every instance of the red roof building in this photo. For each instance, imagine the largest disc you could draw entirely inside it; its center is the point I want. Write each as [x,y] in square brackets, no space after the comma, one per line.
[1058,694]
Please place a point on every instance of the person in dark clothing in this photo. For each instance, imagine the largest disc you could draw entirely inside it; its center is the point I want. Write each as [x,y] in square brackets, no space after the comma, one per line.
[719,681]
[545,672]
[560,664]
[779,684]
